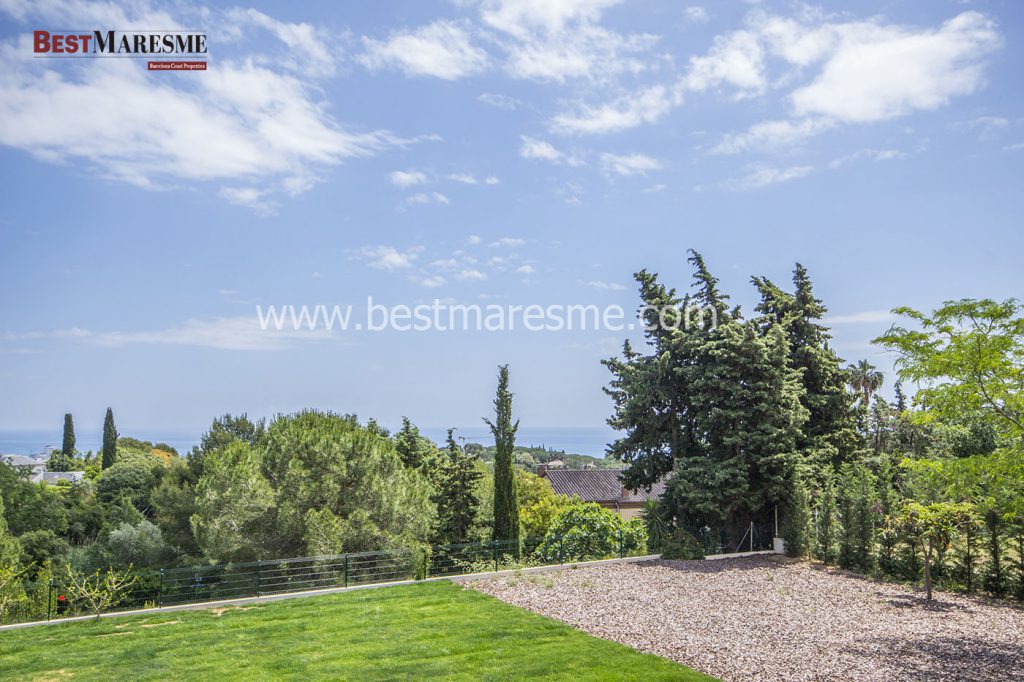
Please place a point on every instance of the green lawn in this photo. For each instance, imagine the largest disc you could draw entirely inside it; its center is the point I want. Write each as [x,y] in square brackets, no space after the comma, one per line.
[420,631]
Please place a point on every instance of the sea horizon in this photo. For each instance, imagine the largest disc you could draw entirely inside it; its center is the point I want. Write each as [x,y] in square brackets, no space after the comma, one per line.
[580,440]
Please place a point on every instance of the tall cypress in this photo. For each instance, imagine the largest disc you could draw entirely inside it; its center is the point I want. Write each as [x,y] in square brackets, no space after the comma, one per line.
[109,440]
[506,504]
[67,447]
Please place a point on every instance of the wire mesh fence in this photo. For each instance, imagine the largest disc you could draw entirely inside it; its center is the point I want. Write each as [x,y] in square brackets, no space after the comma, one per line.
[196,584]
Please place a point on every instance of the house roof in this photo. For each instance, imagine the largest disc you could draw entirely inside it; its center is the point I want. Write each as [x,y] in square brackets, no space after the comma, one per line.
[22,461]
[598,485]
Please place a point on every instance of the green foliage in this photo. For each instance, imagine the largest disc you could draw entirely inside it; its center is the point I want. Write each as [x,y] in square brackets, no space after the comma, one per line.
[717,407]
[141,545]
[796,519]
[825,530]
[457,497]
[68,441]
[585,530]
[223,431]
[932,526]
[10,549]
[173,503]
[539,504]
[30,506]
[109,451]
[506,502]
[41,546]
[99,590]
[234,504]
[857,511]
[130,478]
[967,356]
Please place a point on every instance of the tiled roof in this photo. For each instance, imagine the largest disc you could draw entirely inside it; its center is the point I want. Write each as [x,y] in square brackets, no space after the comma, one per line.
[598,485]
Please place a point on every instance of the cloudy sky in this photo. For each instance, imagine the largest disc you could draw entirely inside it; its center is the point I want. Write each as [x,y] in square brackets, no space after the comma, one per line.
[494,151]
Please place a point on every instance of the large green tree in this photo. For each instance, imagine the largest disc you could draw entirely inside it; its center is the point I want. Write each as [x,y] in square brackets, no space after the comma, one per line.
[109,440]
[828,436]
[457,496]
[716,404]
[506,502]
[966,357]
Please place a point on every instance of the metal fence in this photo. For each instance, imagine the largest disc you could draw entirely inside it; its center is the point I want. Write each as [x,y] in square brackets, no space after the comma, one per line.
[196,584]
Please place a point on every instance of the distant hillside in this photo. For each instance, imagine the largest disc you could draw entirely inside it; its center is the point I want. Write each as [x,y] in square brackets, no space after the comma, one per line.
[529,457]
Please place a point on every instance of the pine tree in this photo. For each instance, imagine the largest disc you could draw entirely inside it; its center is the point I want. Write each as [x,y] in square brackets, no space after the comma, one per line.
[68,444]
[506,504]
[109,440]
[828,438]
[411,445]
[458,500]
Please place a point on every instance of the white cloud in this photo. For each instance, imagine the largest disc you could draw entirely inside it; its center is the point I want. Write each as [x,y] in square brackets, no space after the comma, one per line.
[510,242]
[647,105]
[250,197]
[696,14]
[407,178]
[500,101]
[607,286]
[653,189]
[629,164]
[764,176]
[433,282]
[772,136]
[555,40]
[473,239]
[532,148]
[894,71]
[735,59]
[248,120]
[442,49]
[869,154]
[525,270]
[471,275]
[464,178]
[491,180]
[389,258]
[427,198]
[310,49]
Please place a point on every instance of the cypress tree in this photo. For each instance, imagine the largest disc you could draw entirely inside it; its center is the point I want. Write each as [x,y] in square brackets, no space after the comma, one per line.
[68,444]
[825,524]
[109,440]
[797,520]
[506,504]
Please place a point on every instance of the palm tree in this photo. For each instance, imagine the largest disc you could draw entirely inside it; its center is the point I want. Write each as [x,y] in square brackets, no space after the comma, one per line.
[866,380]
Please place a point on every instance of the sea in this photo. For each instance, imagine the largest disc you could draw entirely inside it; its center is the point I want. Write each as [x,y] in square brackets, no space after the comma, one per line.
[590,441]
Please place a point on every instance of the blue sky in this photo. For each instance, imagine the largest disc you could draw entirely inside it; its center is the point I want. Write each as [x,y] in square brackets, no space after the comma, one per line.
[500,151]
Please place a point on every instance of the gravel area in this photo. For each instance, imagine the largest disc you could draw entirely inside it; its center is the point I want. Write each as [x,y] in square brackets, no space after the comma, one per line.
[767,618]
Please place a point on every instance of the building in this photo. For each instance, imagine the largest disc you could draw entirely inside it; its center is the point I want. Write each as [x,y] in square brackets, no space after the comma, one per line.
[37,470]
[603,486]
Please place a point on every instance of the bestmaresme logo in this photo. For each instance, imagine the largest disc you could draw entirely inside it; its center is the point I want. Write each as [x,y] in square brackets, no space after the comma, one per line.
[126,44]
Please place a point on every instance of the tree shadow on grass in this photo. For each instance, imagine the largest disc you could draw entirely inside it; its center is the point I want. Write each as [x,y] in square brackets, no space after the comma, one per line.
[945,658]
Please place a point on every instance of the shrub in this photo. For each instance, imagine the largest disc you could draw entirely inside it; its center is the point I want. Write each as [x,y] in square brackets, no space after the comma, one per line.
[585,530]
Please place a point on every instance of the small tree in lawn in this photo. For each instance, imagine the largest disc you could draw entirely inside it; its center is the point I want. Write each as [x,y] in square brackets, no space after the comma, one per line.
[506,503]
[932,526]
[99,591]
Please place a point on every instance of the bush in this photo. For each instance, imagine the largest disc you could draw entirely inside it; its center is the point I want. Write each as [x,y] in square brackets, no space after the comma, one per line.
[585,530]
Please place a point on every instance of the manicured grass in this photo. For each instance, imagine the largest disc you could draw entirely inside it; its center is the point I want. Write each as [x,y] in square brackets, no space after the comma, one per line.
[431,630]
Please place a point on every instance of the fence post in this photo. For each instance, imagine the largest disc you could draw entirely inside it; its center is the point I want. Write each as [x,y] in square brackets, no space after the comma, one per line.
[495,543]
[622,545]
[259,577]
[49,598]
[561,550]
[426,564]
[751,536]
[346,570]
[160,591]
